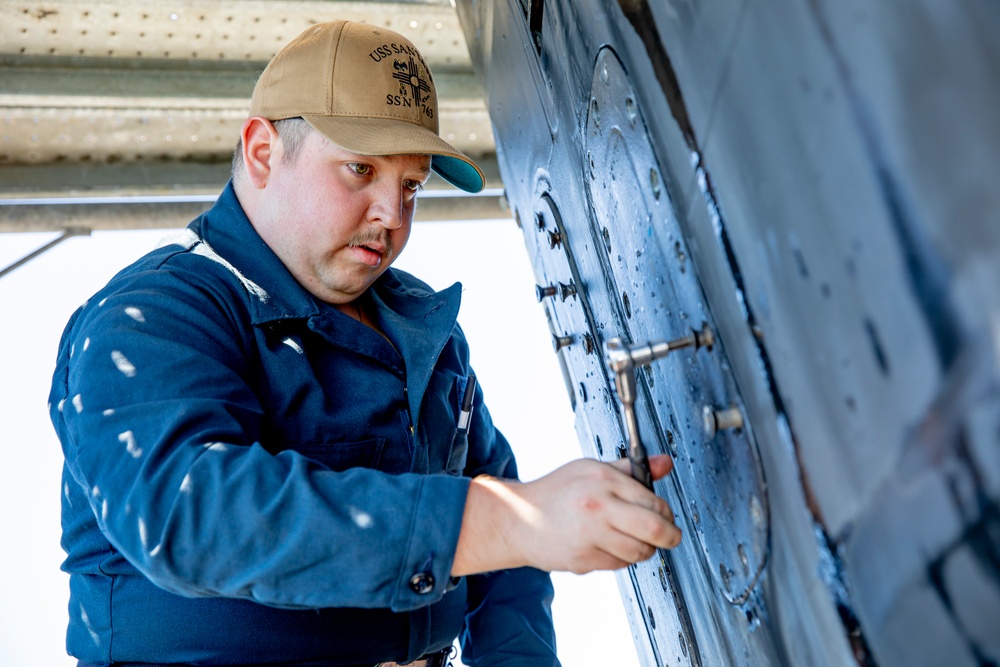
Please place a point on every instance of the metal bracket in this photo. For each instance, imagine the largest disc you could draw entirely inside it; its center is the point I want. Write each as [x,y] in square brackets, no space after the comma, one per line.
[69,232]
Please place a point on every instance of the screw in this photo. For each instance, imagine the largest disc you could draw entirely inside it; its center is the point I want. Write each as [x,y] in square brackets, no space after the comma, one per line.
[559,342]
[542,292]
[566,291]
[588,344]
[720,420]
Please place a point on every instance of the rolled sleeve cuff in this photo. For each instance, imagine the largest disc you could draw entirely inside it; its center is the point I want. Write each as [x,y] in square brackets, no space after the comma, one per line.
[435,523]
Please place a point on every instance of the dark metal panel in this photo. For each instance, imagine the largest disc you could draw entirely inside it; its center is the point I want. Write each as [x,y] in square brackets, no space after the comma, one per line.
[802,196]
[824,275]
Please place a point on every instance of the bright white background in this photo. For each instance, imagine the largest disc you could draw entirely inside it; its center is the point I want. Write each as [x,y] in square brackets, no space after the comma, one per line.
[511,352]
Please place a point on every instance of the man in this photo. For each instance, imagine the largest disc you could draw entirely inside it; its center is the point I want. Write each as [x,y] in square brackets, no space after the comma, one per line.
[259,421]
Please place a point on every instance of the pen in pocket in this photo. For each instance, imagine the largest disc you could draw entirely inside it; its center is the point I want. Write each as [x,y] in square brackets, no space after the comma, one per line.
[466,412]
[460,440]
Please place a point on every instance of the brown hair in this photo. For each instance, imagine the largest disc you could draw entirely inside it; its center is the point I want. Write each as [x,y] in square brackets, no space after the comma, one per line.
[292,131]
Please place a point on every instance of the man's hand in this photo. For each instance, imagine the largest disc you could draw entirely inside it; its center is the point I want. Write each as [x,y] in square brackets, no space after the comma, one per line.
[586,515]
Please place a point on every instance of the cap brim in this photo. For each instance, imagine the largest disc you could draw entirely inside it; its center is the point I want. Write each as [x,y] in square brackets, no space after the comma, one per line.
[384,136]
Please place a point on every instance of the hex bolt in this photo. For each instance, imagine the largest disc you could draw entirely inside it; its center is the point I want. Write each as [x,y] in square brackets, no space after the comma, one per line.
[559,342]
[555,239]
[542,292]
[721,420]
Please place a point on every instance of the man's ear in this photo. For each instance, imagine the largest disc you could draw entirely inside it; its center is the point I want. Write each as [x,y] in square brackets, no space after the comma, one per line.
[260,142]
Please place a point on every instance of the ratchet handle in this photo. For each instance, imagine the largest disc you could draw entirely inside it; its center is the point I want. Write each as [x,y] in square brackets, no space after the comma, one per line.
[641,472]
[636,451]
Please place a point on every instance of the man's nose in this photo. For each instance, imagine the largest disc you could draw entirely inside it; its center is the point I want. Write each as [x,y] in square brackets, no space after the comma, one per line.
[388,206]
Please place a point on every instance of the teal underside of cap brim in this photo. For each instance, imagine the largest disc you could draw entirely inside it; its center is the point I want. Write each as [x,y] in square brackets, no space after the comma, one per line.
[457,172]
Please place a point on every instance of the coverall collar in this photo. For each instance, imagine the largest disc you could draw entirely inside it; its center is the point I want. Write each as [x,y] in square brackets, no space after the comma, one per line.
[416,319]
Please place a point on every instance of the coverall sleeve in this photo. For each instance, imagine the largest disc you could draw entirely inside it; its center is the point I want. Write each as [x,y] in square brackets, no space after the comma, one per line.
[509,618]
[162,430]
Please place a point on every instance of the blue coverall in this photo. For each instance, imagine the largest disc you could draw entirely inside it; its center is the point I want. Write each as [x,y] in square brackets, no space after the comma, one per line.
[253,477]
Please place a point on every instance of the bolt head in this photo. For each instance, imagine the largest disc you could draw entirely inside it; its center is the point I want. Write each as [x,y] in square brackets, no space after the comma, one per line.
[708,419]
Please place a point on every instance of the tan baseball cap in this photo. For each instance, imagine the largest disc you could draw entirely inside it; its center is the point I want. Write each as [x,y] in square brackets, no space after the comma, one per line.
[368,90]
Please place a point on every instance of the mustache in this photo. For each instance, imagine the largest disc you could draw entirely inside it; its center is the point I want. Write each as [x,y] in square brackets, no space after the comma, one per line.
[373,237]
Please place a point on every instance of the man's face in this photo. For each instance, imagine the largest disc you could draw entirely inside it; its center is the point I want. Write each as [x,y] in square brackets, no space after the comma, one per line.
[337,219]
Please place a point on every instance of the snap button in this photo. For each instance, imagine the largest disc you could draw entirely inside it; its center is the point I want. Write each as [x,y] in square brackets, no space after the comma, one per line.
[422,583]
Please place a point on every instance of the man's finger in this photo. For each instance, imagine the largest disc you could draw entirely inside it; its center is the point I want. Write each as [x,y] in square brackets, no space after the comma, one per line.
[660,465]
[640,528]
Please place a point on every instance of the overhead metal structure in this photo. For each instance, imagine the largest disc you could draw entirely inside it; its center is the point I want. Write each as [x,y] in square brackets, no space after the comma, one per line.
[123,114]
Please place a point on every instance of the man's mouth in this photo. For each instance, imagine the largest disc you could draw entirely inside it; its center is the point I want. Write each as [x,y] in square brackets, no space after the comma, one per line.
[371,254]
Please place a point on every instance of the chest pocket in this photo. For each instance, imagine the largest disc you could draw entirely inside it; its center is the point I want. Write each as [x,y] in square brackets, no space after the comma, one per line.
[340,456]
[439,416]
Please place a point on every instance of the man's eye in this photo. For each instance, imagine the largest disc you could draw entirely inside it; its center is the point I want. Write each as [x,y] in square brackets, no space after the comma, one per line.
[413,186]
[361,169]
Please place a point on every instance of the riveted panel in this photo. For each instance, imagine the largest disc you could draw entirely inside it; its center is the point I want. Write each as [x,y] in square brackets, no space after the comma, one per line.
[718,469]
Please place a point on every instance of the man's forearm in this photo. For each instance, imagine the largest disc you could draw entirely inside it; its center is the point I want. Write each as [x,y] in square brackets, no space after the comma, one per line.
[486,542]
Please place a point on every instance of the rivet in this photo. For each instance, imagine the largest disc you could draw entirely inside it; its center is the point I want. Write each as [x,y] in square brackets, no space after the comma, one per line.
[725,573]
[756,512]
[630,109]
